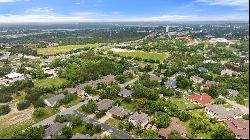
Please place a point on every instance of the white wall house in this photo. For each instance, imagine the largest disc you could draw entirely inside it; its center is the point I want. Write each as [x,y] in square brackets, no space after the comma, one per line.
[15,76]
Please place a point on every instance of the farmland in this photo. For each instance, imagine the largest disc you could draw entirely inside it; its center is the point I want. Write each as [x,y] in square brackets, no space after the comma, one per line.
[63,49]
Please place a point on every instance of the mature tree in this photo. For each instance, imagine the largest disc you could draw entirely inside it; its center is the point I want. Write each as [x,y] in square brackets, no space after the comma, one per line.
[198,125]
[221,132]
[175,135]
[127,126]
[183,82]
[5,69]
[161,120]
[39,112]
[219,101]
[23,104]
[67,131]
[150,134]
[5,98]
[240,99]
[30,133]
[90,90]
[212,91]
[89,108]
[4,109]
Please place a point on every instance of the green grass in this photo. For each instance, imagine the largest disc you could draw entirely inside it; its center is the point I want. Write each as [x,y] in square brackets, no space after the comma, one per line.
[182,104]
[129,106]
[20,97]
[72,103]
[113,122]
[51,82]
[63,49]
[9,131]
[144,55]
[48,112]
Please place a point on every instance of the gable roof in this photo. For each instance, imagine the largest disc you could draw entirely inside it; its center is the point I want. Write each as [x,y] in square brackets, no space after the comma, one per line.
[104,104]
[239,127]
[56,98]
[203,99]
[172,126]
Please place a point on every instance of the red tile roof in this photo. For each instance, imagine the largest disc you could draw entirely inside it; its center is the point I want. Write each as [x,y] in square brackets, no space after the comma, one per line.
[239,127]
[203,99]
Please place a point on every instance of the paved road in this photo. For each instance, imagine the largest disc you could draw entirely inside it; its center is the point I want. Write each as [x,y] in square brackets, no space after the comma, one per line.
[128,83]
[67,111]
[106,127]
[233,103]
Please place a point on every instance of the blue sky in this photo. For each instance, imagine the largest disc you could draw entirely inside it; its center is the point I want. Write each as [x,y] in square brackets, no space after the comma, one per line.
[12,11]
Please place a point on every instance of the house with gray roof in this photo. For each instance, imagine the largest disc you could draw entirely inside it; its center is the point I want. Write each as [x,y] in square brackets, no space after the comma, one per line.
[53,100]
[232,92]
[139,119]
[126,72]
[178,74]
[202,69]
[104,104]
[221,113]
[125,93]
[196,79]
[55,129]
[118,111]
[171,84]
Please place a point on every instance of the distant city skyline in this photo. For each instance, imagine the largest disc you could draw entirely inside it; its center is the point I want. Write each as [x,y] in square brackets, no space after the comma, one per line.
[18,11]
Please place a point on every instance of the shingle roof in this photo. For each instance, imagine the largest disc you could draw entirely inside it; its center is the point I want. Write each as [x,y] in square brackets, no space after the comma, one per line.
[54,129]
[171,84]
[172,126]
[125,92]
[56,98]
[154,78]
[239,127]
[119,111]
[104,104]
[139,118]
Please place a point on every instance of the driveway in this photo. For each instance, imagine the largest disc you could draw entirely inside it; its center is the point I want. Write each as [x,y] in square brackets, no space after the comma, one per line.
[244,109]
[105,118]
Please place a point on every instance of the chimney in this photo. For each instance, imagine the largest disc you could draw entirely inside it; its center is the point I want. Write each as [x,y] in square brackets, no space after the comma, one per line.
[201,98]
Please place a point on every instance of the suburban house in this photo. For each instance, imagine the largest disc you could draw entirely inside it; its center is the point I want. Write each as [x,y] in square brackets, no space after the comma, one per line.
[154,78]
[219,41]
[163,71]
[228,72]
[126,72]
[104,104]
[208,84]
[239,127]
[118,111]
[125,93]
[171,84]
[173,126]
[173,77]
[232,92]
[221,113]
[78,91]
[49,71]
[139,119]
[53,100]
[200,99]
[196,79]
[55,129]
[12,77]
[202,69]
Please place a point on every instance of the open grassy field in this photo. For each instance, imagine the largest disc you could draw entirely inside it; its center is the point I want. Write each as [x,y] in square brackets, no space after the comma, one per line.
[144,55]
[63,49]
[51,82]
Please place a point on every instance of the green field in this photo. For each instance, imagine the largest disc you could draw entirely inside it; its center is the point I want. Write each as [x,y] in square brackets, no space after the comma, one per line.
[51,82]
[144,55]
[63,49]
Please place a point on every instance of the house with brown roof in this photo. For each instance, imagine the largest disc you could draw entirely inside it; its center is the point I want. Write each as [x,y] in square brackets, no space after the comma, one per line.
[208,84]
[173,126]
[118,111]
[104,104]
[154,78]
[139,119]
[221,113]
[239,127]
[78,91]
[196,79]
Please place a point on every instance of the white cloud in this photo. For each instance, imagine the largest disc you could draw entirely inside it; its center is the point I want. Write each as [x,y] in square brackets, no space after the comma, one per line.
[95,17]
[7,1]
[243,3]
[40,11]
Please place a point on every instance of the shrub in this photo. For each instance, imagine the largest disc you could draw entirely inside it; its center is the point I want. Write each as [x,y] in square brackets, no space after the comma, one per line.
[23,105]
[4,109]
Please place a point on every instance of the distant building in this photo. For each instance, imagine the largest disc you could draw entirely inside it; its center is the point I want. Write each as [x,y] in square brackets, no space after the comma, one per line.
[208,84]
[53,100]
[228,72]
[232,92]
[15,76]
[196,79]
[219,41]
[139,119]
[171,84]
[202,69]
[154,78]
[125,93]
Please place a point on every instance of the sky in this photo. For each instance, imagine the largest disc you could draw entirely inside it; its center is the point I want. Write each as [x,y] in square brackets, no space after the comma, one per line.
[22,11]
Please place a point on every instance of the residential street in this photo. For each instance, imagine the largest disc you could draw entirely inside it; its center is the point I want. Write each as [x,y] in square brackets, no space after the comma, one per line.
[233,103]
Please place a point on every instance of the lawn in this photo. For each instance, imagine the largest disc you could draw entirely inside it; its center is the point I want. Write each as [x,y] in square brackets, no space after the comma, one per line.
[48,112]
[144,55]
[72,103]
[113,122]
[51,82]
[129,106]
[182,103]
[63,49]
